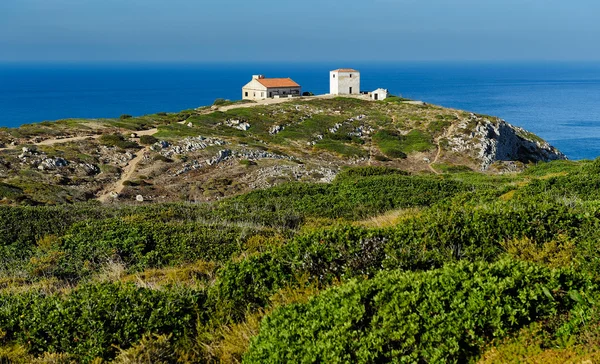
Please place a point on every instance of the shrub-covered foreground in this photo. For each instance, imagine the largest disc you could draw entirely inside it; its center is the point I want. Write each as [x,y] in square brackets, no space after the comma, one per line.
[456,264]
[444,315]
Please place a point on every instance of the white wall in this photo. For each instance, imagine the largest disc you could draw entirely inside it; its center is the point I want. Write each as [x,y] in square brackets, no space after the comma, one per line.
[342,82]
[254,90]
[379,94]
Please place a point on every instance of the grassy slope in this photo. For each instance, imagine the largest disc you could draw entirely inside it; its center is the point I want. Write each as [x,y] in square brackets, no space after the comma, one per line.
[217,281]
[240,259]
[318,133]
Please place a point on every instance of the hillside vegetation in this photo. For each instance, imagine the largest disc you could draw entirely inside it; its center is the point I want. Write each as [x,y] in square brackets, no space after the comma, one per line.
[210,153]
[402,260]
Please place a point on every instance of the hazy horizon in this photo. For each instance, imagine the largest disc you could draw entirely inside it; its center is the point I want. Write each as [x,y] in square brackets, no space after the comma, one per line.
[186,31]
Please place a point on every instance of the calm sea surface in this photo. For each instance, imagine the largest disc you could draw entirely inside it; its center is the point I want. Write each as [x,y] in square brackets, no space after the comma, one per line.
[558,101]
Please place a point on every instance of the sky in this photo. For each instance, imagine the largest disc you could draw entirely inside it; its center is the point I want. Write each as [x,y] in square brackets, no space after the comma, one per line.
[299,31]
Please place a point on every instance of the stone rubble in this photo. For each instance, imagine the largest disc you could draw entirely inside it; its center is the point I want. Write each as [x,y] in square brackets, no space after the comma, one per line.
[187,145]
[227,154]
[335,128]
[264,177]
[237,124]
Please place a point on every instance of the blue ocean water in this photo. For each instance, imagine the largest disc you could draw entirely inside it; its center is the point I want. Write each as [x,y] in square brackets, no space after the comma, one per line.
[558,101]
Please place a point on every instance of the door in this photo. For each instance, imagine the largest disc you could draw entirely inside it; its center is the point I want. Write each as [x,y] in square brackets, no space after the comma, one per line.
[350,90]
[376,97]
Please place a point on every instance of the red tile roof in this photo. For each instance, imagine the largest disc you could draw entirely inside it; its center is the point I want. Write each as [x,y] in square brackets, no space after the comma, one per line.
[345,70]
[277,82]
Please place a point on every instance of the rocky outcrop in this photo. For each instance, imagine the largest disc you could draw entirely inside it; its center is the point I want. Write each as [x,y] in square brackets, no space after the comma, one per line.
[491,140]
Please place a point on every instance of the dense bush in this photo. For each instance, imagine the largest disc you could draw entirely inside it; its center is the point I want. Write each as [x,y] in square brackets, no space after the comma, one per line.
[94,319]
[353,199]
[142,245]
[148,140]
[425,242]
[367,171]
[390,143]
[445,315]
[117,140]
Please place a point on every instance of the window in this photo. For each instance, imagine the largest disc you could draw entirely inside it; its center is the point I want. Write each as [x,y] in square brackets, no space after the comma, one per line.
[333,76]
[350,90]
[246,94]
[351,75]
[262,94]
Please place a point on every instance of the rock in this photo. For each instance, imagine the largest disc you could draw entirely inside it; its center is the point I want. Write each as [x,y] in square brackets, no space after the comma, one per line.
[497,141]
[164,144]
[275,129]
[133,135]
[52,163]
[89,169]
[237,124]
[190,125]
[114,194]
[139,198]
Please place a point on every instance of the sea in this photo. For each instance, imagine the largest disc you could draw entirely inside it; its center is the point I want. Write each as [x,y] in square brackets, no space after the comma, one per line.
[559,101]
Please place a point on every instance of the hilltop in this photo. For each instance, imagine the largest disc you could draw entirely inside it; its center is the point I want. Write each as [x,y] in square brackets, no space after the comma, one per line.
[333,230]
[213,152]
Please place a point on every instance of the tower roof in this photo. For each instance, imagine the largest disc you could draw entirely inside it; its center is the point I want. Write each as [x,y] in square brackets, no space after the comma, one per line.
[345,70]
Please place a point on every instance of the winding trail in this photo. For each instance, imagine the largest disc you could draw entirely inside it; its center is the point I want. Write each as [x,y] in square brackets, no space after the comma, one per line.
[128,171]
[447,133]
[54,141]
[117,187]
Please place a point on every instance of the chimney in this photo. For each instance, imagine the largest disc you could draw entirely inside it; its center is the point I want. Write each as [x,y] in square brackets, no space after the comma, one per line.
[258,77]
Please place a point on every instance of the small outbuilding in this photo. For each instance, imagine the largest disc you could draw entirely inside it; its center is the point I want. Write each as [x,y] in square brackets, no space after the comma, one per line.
[344,81]
[261,88]
[379,94]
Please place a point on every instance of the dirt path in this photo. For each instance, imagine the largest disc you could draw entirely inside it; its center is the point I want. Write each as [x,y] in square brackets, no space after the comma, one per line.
[54,141]
[287,99]
[448,132]
[128,171]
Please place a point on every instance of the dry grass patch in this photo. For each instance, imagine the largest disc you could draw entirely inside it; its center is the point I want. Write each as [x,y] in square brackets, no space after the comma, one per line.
[390,218]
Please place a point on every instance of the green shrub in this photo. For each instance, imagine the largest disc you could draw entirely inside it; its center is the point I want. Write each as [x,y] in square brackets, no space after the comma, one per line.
[92,320]
[445,315]
[247,163]
[117,140]
[125,117]
[418,243]
[162,158]
[390,143]
[367,171]
[141,245]
[148,140]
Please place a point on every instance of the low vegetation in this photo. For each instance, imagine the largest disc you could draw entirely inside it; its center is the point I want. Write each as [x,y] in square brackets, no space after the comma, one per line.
[376,265]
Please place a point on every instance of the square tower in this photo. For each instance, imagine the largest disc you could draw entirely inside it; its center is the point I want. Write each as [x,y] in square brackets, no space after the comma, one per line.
[344,81]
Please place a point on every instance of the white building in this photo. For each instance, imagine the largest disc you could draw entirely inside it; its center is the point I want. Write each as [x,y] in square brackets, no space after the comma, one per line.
[344,81]
[379,94]
[261,88]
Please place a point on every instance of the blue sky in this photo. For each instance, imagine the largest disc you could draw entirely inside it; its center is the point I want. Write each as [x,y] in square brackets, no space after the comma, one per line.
[301,30]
